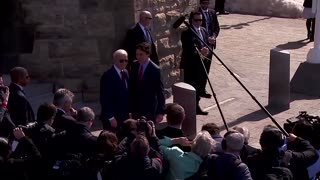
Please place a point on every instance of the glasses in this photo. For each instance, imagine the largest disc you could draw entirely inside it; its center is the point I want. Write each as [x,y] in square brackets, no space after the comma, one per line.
[148,18]
[123,60]
[197,20]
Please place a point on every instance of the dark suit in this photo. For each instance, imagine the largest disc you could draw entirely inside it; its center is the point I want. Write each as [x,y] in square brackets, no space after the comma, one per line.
[62,121]
[19,107]
[134,37]
[211,24]
[194,73]
[146,95]
[114,97]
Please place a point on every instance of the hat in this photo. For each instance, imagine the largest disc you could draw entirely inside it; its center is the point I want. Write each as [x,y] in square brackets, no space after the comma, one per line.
[271,138]
[234,141]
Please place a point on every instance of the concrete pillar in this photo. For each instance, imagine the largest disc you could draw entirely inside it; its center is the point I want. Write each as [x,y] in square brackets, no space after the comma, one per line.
[279,79]
[314,53]
[185,95]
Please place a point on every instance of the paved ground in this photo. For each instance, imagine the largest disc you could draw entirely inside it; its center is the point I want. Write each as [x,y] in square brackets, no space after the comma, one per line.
[244,45]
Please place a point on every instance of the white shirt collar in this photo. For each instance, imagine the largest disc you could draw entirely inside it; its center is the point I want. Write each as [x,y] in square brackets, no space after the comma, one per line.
[118,70]
[198,29]
[204,10]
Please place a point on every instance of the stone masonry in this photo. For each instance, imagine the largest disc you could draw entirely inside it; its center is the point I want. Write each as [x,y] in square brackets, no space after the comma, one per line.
[74,39]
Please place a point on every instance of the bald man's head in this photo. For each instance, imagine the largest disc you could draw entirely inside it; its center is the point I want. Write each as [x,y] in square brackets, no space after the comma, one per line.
[120,59]
[145,18]
[19,75]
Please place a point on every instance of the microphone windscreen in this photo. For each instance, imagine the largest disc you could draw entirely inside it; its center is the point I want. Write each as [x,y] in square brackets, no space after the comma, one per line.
[178,22]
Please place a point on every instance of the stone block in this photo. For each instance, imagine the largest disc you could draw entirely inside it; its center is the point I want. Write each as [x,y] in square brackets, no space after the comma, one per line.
[100,24]
[53,32]
[88,6]
[279,79]
[180,91]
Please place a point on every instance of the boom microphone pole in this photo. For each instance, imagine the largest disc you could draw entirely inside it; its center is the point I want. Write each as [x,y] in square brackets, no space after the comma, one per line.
[182,20]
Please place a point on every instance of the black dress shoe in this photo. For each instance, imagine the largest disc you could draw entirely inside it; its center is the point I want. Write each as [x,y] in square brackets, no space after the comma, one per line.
[201,112]
[205,95]
[224,12]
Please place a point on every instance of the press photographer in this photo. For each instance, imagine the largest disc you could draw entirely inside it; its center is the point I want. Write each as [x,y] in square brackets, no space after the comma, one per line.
[6,124]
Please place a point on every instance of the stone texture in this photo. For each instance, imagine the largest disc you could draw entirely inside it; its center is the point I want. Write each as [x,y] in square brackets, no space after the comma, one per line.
[279,79]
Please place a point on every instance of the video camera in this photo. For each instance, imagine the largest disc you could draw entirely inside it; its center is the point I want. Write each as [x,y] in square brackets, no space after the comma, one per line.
[306,126]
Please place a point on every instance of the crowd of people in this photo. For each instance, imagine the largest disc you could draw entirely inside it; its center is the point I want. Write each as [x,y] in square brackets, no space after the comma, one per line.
[56,143]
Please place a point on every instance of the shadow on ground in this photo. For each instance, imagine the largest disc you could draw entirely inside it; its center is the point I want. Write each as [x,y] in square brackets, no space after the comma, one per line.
[294,44]
[242,25]
[255,116]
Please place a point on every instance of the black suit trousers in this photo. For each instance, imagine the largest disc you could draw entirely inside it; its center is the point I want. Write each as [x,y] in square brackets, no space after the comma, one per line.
[219,6]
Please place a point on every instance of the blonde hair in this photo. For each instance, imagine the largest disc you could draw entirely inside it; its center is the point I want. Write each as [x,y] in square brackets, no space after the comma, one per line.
[202,144]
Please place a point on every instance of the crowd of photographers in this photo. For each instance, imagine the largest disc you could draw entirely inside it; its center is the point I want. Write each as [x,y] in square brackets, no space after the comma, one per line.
[59,146]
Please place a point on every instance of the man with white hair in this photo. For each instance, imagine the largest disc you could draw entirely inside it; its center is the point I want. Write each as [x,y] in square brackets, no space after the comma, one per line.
[64,119]
[138,34]
[114,94]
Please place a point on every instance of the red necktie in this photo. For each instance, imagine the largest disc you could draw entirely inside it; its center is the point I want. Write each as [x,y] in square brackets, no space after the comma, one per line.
[140,74]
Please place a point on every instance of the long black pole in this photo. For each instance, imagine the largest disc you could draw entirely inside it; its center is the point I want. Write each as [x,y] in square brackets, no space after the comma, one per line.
[235,77]
[213,93]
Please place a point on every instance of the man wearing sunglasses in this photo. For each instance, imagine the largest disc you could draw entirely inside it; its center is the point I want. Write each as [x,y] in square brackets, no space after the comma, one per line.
[194,72]
[138,34]
[18,105]
[114,96]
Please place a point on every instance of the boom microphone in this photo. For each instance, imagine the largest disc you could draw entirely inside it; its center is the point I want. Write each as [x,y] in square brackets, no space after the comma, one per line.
[178,22]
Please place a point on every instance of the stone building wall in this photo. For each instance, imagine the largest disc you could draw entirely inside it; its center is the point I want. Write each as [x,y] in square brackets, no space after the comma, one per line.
[74,39]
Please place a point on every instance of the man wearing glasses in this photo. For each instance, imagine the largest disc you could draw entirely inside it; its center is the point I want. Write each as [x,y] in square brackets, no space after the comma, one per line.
[194,72]
[138,34]
[114,96]
[18,105]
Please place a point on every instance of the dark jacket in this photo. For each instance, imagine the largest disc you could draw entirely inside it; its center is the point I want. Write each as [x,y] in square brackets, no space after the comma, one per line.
[307,3]
[227,167]
[302,156]
[129,167]
[172,132]
[21,168]
[213,23]
[135,36]
[19,107]
[62,121]
[76,140]
[146,95]
[114,96]
[6,124]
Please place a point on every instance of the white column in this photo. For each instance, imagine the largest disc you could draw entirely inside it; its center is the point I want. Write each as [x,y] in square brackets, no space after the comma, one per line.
[314,53]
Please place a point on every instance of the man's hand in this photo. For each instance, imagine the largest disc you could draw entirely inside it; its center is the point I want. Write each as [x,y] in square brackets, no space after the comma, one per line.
[152,129]
[159,118]
[18,133]
[291,137]
[5,95]
[204,51]
[113,123]
[212,40]
[183,141]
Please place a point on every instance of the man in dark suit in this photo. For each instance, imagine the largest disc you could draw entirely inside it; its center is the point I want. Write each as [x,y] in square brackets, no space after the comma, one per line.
[138,34]
[18,105]
[65,116]
[194,73]
[211,24]
[114,94]
[219,7]
[146,87]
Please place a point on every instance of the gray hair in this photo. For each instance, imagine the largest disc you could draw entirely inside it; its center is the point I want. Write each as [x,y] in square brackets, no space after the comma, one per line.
[85,114]
[245,132]
[61,96]
[202,144]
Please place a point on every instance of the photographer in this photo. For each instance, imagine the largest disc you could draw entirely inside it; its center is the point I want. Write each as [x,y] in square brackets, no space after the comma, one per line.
[147,129]
[18,168]
[6,124]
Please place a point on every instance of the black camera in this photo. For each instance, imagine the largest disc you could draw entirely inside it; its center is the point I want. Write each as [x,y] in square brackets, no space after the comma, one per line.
[142,124]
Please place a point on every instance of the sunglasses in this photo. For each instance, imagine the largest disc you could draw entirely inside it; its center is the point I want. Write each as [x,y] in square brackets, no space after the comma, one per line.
[123,60]
[197,20]
[148,18]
